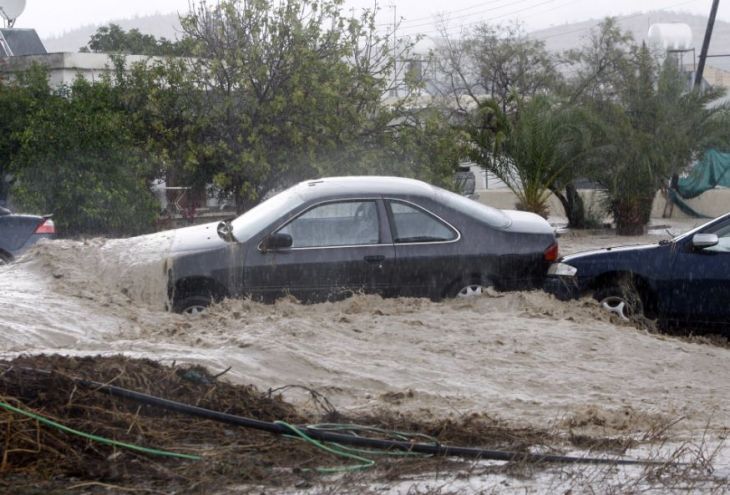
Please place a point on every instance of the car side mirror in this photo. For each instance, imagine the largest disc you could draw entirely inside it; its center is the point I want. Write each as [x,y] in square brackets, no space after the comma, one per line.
[276,241]
[702,241]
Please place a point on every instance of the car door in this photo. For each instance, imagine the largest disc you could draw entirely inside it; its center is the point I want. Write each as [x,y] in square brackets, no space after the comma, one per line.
[338,247]
[426,249]
[701,279]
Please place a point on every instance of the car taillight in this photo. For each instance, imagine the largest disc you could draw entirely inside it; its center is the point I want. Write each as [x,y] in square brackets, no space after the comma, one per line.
[47,227]
[551,253]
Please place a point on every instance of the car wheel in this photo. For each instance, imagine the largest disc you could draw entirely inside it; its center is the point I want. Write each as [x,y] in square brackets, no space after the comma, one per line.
[471,290]
[192,305]
[622,300]
[474,288]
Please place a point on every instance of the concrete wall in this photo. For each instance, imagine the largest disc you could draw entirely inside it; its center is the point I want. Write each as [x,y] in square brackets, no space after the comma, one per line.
[63,68]
[712,203]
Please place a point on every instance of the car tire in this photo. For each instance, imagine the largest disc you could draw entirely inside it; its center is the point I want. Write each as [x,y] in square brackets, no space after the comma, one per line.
[623,300]
[468,289]
[192,305]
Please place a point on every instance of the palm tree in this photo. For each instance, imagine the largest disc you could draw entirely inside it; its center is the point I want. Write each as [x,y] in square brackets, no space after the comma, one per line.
[655,128]
[538,151]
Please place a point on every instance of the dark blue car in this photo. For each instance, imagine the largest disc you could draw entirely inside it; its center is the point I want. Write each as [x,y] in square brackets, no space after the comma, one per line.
[19,232]
[685,279]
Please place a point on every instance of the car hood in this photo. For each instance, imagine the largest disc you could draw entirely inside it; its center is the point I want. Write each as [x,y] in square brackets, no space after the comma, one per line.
[197,238]
[609,252]
[526,222]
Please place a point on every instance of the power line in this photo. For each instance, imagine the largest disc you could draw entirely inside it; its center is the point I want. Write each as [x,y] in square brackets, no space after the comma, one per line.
[475,23]
[501,16]
[411,28]
[475,6]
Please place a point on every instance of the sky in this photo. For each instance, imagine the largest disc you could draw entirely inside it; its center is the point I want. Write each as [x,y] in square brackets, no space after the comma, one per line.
[54,17]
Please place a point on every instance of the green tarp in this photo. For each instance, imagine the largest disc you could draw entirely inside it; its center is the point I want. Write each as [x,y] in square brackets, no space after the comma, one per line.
[684,207]
[713,170]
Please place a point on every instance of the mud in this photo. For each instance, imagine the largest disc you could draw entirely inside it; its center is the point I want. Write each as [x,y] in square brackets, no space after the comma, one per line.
[42,455]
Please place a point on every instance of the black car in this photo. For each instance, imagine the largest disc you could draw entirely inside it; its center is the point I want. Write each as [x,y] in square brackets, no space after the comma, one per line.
[19,232]
[331,237]
[686,279]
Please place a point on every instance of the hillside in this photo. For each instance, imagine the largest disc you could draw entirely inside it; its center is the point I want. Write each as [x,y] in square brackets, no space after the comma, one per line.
[561,38]
[558,38]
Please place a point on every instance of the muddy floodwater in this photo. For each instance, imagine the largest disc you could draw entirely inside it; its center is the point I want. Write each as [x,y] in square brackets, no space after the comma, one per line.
[523,357]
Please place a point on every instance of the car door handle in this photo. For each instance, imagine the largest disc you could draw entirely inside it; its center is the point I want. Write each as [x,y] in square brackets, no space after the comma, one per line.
[376,258]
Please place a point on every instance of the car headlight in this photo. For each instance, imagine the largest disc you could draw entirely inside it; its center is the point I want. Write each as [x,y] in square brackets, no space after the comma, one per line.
[562,269]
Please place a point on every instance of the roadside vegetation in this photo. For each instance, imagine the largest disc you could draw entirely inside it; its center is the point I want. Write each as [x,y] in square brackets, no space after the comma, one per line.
[256,96]
[61,437]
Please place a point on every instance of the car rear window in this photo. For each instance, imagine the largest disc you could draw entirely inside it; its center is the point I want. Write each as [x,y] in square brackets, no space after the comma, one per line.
[412,224]
[479,211]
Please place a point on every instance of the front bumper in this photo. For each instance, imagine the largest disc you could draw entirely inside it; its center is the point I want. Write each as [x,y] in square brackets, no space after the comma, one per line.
[564,288]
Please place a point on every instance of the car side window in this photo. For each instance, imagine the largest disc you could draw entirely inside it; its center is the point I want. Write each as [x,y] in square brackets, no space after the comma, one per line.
[723,234]
[345,223]
[412,224]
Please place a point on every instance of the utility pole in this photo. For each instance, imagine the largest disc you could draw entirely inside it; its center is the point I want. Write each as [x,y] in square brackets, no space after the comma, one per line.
[706,44]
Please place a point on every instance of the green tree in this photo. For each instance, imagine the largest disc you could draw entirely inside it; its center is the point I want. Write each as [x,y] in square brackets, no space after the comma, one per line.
[77,160]
[599,66]
[293,90]
[653,125]
[488,77]
[538,150]
[113,39]
[499,63]
[166,118]
[19,98]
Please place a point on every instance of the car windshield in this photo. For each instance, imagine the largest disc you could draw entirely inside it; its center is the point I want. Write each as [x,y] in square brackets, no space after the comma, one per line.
[494,217]
[255,219]
[697,229]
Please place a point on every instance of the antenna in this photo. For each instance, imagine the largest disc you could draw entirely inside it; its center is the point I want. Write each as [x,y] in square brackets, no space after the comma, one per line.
[10,10]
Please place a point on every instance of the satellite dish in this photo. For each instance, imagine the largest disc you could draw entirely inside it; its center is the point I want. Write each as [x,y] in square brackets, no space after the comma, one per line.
[11,10]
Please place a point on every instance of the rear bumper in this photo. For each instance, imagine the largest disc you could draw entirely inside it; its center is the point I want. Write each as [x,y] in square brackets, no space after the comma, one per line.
[32,240]
[564,288]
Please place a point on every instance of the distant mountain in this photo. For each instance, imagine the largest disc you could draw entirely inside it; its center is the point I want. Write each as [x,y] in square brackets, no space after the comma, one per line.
[559,38]
[565,37]
[159,25]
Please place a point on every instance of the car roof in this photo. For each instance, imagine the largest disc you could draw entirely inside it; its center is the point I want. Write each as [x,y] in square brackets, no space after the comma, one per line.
[367,185]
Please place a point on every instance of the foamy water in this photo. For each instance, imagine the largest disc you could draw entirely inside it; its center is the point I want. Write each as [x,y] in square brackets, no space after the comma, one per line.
[523,357]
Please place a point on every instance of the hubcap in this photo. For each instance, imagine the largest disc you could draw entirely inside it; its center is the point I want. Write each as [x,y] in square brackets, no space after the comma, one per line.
[472,290]
[616,305]
[194,310]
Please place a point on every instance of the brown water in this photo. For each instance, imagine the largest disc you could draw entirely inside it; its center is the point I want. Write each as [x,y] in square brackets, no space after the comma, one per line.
[523,357]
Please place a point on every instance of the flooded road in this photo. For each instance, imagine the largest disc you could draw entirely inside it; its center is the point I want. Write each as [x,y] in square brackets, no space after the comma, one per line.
[525,358]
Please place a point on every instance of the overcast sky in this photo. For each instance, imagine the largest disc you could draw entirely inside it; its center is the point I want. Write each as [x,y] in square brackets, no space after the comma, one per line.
[54,17]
